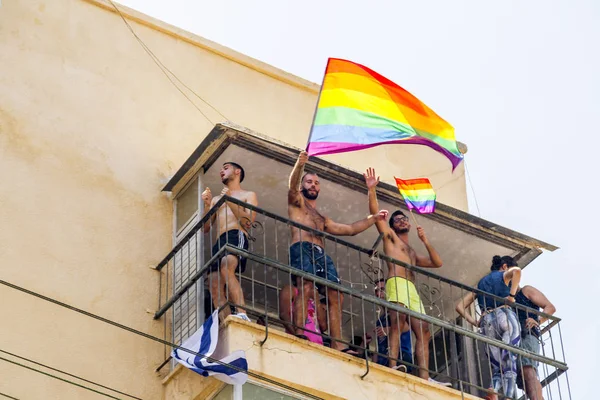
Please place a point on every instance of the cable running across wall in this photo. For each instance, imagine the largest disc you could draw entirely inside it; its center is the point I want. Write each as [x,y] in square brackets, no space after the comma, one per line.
[7,396]
[60,379]
[68,374]
[166,71]
[154,338]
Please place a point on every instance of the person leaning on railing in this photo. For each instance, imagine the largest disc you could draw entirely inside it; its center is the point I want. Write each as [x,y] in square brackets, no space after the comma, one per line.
[498,321]
[529,296]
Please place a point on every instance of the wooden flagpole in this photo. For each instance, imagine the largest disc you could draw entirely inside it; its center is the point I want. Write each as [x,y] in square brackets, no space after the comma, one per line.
[414,218]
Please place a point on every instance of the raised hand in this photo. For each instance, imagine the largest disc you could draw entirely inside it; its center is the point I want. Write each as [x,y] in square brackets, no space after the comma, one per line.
[382,215]
[225,192]
[207,196]
[421,234]
[370,178]
[302,158]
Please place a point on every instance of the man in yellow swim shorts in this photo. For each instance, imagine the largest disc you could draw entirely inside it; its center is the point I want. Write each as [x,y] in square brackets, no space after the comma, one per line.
[399,286]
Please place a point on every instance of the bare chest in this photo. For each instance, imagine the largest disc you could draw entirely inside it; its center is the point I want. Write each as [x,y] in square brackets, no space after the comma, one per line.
[309,216]
[225,208]
[400,250]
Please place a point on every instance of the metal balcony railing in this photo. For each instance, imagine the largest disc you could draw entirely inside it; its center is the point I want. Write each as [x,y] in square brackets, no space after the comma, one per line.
[457,354]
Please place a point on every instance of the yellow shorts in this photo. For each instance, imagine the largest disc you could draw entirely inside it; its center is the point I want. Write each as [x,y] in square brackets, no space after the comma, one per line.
[400,290]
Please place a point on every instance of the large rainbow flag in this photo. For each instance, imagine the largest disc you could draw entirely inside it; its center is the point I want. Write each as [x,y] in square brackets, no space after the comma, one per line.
[418,194]
[358,109]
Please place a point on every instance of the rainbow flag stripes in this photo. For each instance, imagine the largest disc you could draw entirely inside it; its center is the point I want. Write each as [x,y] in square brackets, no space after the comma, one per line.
[418,194]
[358,109]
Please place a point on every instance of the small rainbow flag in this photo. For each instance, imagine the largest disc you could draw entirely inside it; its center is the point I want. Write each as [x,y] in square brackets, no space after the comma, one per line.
[358,109]
[418,194]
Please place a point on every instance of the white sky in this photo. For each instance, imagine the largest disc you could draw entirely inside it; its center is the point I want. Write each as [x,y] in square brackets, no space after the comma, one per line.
[519,80]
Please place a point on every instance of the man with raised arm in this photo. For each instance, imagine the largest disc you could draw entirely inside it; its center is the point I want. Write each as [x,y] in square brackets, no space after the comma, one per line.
[399,286]
[232,224]
[307,251]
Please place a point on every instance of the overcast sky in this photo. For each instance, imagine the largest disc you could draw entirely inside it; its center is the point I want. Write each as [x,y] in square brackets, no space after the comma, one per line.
[519,80]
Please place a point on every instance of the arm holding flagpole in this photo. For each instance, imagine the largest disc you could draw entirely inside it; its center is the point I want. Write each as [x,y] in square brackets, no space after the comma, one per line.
[294,197]
[434,260]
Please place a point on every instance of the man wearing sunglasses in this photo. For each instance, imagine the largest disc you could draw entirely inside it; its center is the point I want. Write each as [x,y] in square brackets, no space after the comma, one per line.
[399,286]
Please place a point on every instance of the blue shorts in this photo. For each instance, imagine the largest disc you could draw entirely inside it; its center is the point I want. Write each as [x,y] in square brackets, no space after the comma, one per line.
[311,258]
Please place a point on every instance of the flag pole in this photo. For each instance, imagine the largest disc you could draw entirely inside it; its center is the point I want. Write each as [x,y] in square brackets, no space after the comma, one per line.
[317,105]
[413,215]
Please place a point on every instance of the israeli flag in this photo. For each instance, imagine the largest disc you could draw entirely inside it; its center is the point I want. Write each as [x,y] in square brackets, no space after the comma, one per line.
[204,342]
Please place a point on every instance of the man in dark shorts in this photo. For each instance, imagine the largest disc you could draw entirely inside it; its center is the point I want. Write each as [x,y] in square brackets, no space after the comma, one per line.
[307,251]
[234,238]
[311,258]
[232,222]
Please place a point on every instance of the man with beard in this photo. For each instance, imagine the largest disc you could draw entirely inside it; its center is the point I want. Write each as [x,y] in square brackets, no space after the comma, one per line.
[232,222]
[307,251]
[399,287]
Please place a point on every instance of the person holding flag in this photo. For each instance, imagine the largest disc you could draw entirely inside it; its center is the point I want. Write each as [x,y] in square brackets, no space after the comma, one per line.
[307,250]
[399,286]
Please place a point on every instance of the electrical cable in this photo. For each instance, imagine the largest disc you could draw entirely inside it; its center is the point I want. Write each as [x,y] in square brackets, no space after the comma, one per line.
[66,373]
[472,189]
[60,379]
[164,69]
[154,338]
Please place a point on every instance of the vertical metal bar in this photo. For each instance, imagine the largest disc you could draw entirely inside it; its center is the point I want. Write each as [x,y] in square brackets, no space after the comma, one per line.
[454,371]
[187,296]
[552,344]
[366,345]
[562,347]
[452,343]
[558,383]
[351,297]
[566,374]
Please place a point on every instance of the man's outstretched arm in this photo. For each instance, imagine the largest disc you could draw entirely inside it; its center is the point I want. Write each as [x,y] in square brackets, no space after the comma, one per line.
[294,197]
[355,228]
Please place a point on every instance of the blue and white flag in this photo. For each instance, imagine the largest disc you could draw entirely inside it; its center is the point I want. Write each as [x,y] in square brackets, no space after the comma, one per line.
[204,342]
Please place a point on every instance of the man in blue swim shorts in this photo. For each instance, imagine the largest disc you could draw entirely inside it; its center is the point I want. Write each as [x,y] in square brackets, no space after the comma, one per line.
[307,252]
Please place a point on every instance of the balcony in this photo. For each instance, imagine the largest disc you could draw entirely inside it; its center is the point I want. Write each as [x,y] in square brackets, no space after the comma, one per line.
[301,369]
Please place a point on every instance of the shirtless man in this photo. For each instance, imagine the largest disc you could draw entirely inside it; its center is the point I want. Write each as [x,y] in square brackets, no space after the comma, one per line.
[307,250]
[399,286]
[233,222]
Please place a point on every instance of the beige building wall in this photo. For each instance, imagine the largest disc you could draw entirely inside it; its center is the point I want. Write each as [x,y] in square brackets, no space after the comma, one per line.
[308,367]
[90,131]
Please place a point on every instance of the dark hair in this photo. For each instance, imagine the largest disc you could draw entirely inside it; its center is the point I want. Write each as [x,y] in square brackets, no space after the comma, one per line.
[380,280]
[394,215]
[237,166]
[498,262]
